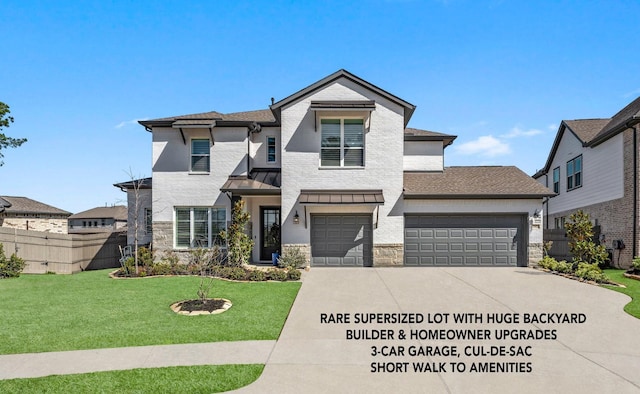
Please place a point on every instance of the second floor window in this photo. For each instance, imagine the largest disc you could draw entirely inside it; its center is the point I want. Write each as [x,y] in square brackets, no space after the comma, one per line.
[271,149]
[200,155]
[574,173]
[556,180]
[342,143]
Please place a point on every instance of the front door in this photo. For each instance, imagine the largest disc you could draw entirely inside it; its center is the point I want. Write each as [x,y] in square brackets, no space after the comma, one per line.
[269,231]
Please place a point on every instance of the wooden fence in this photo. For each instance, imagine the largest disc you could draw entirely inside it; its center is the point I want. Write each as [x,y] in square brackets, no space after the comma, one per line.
[560,247]
[63,253]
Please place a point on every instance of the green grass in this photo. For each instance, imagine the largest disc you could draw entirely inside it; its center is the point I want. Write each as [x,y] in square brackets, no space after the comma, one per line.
[89,310]
[632,290]
[197,379]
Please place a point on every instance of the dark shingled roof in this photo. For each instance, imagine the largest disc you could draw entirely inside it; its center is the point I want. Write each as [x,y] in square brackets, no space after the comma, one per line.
[586,129]
[473,182]
[26,205]
[260,116]
[411,134]
[118,212]
[592,132]
[144,183]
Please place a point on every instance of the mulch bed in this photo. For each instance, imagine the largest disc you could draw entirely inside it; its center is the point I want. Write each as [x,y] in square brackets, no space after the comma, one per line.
[209,305]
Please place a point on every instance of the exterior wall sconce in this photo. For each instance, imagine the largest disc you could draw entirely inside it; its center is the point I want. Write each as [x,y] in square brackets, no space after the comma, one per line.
[296,218]
[537,213]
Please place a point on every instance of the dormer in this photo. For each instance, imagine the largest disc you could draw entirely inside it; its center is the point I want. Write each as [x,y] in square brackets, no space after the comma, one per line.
[424,150]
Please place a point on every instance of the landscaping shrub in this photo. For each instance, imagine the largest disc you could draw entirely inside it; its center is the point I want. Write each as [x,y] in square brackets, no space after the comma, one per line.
[10,267]
[293,274]
[292,258]
[257,276]
[277,274]
[583,249]
[635,266]
[161,268]
[145,257]
[589,271]
[239,244]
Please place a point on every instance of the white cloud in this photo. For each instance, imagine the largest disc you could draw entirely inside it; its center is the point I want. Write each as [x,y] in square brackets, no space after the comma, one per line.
[128,122]
[518,132]
[486,146]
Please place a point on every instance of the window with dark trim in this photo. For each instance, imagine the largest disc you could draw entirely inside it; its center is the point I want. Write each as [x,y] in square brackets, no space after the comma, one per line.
[271,149]
[342,143]
[574,173]
[200,155]
[148,220]
[556,180]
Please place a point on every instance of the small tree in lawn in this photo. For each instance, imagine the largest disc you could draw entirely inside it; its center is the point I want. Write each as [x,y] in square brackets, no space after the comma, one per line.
[239,244]
[580,231]
[204,260]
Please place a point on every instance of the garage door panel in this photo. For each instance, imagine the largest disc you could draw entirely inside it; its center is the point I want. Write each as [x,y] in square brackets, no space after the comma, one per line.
[341,240]
[441,240]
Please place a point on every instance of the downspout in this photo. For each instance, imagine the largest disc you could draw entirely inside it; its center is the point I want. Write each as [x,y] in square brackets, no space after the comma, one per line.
[635,192]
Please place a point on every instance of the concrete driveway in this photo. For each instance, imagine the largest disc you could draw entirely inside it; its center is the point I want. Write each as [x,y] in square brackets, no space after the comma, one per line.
[599,355]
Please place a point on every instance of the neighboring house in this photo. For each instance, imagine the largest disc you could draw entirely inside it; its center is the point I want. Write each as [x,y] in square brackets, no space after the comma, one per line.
[593,166]
[99,220]
[26,214]
[138,217]
[334,170]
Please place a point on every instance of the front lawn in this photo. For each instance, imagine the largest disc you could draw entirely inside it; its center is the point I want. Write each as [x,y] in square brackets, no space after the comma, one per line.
[632,290]
[196,379]
[89,310]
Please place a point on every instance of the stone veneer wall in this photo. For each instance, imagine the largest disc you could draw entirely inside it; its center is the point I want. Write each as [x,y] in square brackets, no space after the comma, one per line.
[385,255]
[304,248]
[535,253]
[162,237]
[54,225]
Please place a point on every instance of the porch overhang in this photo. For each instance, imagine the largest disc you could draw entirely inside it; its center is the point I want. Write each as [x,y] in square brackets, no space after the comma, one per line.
[262,182]
[351,105]
[341,197]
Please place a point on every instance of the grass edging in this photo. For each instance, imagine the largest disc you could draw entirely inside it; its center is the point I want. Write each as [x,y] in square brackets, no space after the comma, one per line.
[632,289]
[190,379]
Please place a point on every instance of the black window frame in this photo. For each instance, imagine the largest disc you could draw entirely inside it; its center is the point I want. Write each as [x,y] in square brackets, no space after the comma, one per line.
[556,182]
[574,176]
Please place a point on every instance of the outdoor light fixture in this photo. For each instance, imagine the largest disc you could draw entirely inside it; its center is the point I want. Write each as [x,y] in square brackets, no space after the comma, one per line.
[536,214]
[296,218]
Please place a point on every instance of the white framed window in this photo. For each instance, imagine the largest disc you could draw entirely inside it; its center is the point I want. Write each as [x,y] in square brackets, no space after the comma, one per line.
[199,226]
[574,173]
[342,142]
[271,149]
[200,155]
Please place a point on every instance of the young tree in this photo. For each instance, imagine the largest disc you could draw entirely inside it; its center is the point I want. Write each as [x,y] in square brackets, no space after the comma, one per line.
[239,244]
[580,231]
[5,141]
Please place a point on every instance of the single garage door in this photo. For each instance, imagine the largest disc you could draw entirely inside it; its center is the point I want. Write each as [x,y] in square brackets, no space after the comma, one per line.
[464,240]
[341,240]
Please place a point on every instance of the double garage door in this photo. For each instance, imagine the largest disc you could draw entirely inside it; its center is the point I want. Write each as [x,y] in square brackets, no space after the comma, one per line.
[341,240]
[431,240]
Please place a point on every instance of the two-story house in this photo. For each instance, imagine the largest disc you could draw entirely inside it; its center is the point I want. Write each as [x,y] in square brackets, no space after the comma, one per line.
[593,166]
[334,170]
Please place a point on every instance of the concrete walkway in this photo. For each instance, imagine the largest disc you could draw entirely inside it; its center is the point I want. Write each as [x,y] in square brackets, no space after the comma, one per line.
[600,355]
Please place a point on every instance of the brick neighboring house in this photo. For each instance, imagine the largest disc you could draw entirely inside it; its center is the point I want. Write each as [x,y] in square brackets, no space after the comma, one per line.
[26,214]
[593,166]
[99,220]
[334,170]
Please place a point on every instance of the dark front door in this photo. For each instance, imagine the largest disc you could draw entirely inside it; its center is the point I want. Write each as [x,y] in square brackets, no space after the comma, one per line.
[269,231]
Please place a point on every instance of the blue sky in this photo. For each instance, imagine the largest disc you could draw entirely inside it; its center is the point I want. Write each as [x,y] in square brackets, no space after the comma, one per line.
[500,75]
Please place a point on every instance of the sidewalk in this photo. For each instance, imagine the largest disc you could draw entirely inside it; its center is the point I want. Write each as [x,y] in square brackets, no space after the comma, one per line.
[34,365]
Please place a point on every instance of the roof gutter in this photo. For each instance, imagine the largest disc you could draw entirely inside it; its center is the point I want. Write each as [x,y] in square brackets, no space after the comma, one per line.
[634,120]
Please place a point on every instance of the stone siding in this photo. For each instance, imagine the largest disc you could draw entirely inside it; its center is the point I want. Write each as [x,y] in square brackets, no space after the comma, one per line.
[52,225]
[536,252]
[162,237]
[385,255]
[304,248]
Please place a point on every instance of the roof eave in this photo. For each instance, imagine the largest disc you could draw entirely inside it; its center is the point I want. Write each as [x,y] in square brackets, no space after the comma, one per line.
[632,121]
[422,196]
